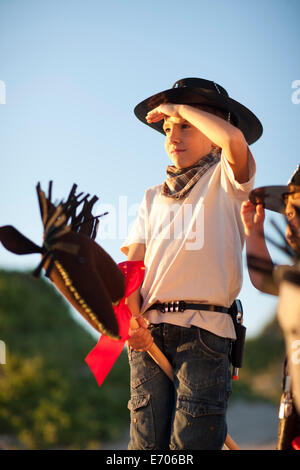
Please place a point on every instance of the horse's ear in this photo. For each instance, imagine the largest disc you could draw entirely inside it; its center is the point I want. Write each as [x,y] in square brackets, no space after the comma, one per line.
[17,243]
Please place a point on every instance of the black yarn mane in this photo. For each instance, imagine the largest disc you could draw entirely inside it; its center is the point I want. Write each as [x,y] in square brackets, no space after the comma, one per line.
[59,219]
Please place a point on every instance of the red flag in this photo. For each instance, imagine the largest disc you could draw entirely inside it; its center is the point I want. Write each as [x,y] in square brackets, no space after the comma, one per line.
[296,443]
[106,352]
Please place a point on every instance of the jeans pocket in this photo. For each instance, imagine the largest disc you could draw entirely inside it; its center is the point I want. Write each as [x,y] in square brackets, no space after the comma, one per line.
[202,366]
[197,409]
[213,344]
[142,434]
[142,368]
[198,426]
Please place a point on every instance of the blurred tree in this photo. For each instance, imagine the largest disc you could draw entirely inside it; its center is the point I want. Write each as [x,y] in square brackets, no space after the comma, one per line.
[261,374]
[48,395]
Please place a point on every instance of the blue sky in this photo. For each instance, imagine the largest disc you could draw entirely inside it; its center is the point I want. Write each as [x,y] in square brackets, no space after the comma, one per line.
[74,71]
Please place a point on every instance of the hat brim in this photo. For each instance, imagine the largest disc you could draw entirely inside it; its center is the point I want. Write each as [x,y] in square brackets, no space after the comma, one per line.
[242,117]
[272,197]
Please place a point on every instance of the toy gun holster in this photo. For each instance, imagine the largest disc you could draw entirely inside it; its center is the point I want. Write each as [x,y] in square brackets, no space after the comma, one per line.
[237,350]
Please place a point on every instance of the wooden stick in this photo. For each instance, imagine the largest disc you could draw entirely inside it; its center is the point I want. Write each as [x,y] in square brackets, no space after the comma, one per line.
[230,444]
[161,360]
[165,365]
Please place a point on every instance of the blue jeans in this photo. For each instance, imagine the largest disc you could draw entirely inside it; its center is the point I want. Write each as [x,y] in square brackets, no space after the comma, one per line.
[189,413]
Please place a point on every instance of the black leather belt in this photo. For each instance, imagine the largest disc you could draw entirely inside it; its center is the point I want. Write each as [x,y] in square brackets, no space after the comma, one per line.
[181,306]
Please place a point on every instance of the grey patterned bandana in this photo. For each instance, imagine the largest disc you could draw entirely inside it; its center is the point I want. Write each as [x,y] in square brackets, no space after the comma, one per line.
[181,180]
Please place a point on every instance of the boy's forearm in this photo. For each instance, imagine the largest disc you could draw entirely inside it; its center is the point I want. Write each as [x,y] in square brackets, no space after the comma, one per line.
[136,253]
[224,135]
[134,303]
[256,245]
[256,248]
[215,128]
[139,336]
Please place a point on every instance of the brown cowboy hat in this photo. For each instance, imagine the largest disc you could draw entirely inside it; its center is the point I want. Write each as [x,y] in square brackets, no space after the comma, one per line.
[274,197]
[198,91]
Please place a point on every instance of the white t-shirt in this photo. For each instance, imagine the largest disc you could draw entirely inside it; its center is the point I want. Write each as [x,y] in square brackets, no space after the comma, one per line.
[194,248]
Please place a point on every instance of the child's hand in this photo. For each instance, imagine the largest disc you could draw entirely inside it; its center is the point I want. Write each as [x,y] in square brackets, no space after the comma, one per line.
[159,113]
[253,217]
[140,338]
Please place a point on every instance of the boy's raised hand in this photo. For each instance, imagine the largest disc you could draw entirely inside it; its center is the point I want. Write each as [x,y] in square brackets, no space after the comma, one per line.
[163,110]
[253,217]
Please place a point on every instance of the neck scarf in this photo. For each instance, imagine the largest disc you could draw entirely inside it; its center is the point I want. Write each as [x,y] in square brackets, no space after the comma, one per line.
[181,180]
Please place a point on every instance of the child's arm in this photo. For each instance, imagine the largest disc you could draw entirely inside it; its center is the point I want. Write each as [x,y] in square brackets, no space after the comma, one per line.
[136,252]
[220,132]
[140,338]
[253,220]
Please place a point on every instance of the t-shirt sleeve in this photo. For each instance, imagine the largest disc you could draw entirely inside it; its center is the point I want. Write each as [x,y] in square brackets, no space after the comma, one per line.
[228,181]
[137,233]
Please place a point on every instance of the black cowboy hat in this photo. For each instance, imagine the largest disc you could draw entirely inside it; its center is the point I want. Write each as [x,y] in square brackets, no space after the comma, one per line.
[273,197]
[199,91]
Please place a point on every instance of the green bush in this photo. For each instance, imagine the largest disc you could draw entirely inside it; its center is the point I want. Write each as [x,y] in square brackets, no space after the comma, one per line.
[49,398]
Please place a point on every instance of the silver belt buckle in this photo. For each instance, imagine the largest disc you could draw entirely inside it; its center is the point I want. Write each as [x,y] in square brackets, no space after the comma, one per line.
[164,309]
[173,306]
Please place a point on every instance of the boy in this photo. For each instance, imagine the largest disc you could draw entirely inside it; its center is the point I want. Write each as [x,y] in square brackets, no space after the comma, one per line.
[282,281]
[283,199]
[189,234]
